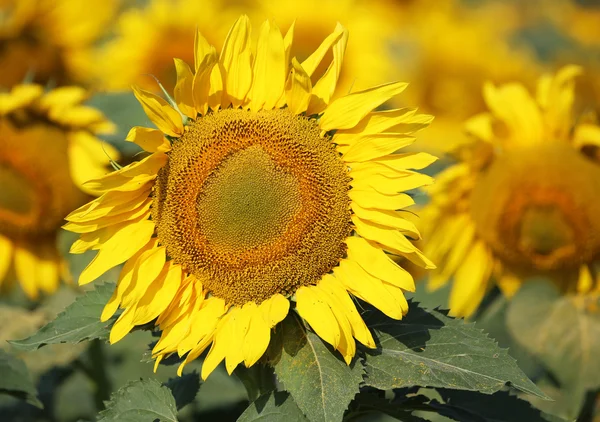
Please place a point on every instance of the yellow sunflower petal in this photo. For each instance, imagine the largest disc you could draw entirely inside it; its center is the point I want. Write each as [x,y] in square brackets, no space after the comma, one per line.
[183,89]
[375,146]
[346,112]
[371,198]
[236,63]
[158,294]
[203,82]
[298,89]
[6,256]
[160,112]
[585,281]
[367,287]
[312,308]
[269,68]
[325,86]
[123,282]
[119,248]
[151,140]
[377,263]
[470,281]
[274,309]
[25,268]
[257,337]
[337,292]
[312,62]
[391,219]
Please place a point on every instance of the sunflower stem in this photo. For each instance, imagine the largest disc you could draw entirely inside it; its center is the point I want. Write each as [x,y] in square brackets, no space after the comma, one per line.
[97,372]
[258,380]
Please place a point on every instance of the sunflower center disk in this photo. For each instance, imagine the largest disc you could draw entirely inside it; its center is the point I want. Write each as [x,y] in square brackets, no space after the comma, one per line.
[36,187]
[253,204]
[537,207]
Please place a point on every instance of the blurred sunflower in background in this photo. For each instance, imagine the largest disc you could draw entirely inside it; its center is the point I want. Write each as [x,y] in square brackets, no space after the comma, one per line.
[48,148]
[50,40]
[367,21]
[146,40]
[522,200]
[448,51]
[259,192]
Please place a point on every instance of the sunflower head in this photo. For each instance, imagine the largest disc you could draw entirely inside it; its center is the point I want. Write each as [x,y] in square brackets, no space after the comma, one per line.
[50,40]
[47,149]
[521,201]
[259,194]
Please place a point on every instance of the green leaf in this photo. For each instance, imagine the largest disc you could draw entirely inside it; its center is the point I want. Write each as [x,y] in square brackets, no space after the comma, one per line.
[560,331]
[184,388]
[429,349]
[140,401]
[317,378]
[15,379]
[79,322]
[273,407]
[469,406]
[367,405]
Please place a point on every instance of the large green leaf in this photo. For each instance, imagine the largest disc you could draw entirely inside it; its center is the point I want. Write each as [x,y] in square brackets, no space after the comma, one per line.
[470,406]
[560,331]
[429,349]
[79,322]
[140,401]
[318,379]
[184,388]
[15,379]
[273,407]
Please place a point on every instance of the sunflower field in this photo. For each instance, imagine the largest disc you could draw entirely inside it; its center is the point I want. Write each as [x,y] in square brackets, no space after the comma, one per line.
[318,210]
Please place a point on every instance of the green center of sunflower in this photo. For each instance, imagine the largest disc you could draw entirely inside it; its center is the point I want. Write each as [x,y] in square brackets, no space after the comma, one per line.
[253,204]
[247,202]
[537,207]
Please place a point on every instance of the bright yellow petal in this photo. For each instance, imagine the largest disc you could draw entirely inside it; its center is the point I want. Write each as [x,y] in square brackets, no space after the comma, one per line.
[142,211]
[257,338]
[238,323]
[390,186]
[377,263]
[391,219]
[402,120]
[312,62]
[410,160]
[183,89]
[586,134]
[167,119]
[6,256]
[366,287]
[119,248]
[512,104]
[124,281]
[158,294]
[372,199]
[337,292]
[298,89]
[122,326]
[370,147]
[202,83]
[325,86]
[470,281]
[151,140]
[236,63]
[461,246]
[269,68]
[201,49]
[585,281]
[274,309]
[25,269]
[311,307]
[48,268]
[346,112]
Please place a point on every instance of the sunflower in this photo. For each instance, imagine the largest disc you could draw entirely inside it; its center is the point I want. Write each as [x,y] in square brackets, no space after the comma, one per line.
[266,194]
[50,40]
[522,200]
[448,50]
[368,21]
[146,40]
[48,149]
